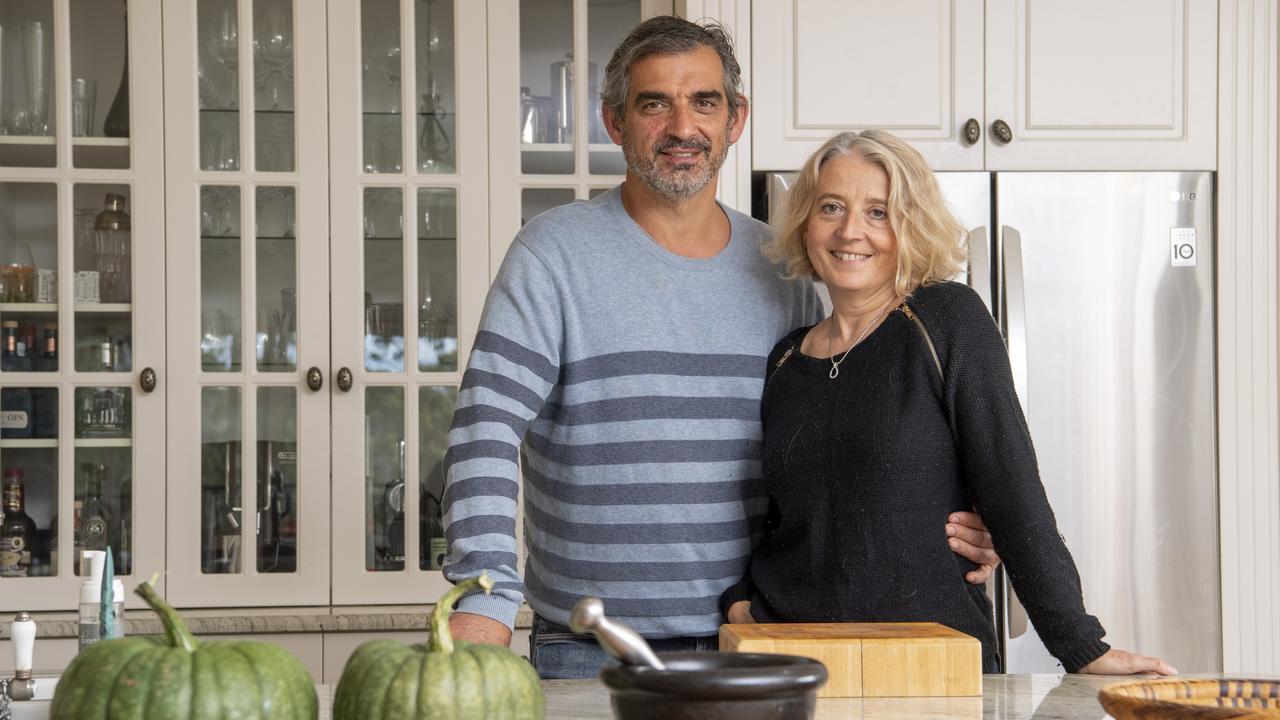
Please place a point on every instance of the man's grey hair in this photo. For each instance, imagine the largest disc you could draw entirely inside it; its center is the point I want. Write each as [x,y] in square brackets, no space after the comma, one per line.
[669,35]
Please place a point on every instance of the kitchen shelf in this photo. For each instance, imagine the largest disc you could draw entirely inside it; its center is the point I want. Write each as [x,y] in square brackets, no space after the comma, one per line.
[104,307]
[104,442]
[28,443]
[28,307]
[568,147]
[75,141]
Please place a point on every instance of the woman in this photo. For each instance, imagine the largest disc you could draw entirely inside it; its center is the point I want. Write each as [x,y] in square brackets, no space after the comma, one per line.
[894,412]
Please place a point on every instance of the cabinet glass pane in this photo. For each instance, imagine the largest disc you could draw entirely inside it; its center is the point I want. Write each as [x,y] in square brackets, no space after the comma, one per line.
[220,480]
[608,22]
[437,280]
[384,478]
[435,413]
[596,192]
[277,527]
[546,87]
[102,290]
[104,473]
[437,106]
[28,104]
[99,97]
[277,280]
[29,458]
[218,52]
[383,280]
[535,201]
[273,84]
[380,85]
[28,277]
[220,278]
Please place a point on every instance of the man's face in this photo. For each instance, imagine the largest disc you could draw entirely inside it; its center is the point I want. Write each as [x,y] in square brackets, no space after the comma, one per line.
[676,130]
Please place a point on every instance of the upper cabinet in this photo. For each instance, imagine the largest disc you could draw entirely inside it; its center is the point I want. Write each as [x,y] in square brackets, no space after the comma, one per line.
[82,358]
[1014,85]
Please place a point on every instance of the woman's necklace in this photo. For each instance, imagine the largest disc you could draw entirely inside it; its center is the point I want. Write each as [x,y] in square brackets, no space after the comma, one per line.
[835,364]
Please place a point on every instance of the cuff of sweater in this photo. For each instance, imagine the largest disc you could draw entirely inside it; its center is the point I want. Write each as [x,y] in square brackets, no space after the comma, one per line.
[1080,655]
[494,607]
[735,593]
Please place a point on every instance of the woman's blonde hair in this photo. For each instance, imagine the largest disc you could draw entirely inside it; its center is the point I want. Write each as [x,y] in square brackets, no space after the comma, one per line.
[931,242]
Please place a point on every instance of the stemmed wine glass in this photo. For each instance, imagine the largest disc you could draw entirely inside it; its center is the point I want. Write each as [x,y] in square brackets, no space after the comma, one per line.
[273,46]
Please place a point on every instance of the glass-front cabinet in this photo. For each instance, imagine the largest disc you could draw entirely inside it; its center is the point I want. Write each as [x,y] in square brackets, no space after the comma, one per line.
[408,113]
[82,365]
[248,303]
[548,144]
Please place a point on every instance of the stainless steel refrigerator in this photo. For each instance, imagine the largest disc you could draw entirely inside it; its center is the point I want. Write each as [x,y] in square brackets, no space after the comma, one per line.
[1103,286]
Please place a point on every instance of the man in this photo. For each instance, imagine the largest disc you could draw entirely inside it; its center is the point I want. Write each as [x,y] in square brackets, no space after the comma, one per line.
[621,359]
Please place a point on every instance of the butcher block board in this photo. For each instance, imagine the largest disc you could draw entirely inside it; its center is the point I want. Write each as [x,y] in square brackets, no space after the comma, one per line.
[919,659]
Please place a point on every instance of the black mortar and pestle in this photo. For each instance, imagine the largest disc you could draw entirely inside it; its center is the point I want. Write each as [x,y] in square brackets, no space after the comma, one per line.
[698,685]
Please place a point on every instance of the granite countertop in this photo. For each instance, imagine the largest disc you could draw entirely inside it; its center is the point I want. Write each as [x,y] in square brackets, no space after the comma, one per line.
[1005,697]
[141,621]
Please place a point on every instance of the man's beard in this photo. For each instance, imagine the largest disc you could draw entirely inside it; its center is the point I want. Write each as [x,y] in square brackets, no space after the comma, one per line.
[679,184]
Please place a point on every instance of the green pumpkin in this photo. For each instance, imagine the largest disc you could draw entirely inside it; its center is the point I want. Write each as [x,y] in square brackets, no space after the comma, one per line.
[177,676]
[459,681]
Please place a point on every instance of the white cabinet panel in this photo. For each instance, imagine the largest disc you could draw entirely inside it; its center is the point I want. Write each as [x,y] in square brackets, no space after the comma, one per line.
[1097,85]
[820,67]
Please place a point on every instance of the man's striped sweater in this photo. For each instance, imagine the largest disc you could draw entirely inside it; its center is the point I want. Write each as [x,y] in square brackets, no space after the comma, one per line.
[626,381]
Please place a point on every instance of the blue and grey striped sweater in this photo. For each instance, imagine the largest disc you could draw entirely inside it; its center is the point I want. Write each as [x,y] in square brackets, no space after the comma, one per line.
[626,382]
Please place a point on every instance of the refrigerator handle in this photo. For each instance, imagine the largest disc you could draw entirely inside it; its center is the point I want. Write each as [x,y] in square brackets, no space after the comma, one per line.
[1015,311]
[980,265]
[1015,317]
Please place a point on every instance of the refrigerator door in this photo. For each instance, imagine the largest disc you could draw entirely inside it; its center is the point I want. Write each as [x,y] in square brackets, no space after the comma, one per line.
[967,193]
[1107,282]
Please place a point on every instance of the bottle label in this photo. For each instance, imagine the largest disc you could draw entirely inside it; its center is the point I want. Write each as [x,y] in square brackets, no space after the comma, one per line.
[13,420]
[439,549]
[94,532]
[15,558]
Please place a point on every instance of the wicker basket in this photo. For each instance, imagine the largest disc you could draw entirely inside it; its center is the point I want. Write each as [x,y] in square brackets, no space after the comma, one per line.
[1175,699]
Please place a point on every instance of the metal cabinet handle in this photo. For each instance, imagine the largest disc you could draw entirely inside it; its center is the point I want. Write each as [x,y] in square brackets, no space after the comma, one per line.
[972,131]
[344,379]
[147,380]
[315,379]
[1015,311]
[1000,129]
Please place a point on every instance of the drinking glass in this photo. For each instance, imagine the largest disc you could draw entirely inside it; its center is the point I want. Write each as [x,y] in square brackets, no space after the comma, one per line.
[37,51]
[273,46]
[19,269]
[84,94]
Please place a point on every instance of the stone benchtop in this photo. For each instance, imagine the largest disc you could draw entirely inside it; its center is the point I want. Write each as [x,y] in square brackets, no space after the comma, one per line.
[252,621]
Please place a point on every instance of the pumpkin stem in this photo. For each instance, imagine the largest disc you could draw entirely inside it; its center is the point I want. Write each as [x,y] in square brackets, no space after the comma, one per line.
[179,635]
[441,639]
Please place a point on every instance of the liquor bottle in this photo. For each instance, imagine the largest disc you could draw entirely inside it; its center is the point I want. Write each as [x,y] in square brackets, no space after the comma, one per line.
[123,542]
[18,531]
[433,546]
[94,521]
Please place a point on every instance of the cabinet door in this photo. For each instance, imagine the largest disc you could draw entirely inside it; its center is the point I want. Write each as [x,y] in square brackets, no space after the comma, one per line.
[410,257]
[1098,85]
[248,318]
[547,141]
[81,294]
[826,66]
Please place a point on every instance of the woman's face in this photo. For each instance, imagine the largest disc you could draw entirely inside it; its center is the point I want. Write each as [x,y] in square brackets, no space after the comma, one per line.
[848,237]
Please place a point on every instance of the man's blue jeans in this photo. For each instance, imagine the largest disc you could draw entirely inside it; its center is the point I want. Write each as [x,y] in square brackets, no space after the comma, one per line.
[560,654]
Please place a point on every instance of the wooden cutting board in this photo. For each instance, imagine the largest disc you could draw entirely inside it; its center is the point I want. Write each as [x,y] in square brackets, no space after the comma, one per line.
[872,659]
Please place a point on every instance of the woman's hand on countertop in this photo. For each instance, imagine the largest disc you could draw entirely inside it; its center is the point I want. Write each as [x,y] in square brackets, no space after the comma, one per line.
[1120,662]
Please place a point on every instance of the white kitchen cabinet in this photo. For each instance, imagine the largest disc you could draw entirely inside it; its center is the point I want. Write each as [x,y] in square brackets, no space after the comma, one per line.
[1048,84]
[81,191]
[824,66]
[247,258]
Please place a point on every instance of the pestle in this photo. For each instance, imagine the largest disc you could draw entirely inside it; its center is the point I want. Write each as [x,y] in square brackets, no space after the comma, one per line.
[617,639]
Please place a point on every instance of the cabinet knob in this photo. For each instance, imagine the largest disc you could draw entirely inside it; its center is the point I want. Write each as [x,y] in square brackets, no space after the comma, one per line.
[345,379]
[1000,129]
[315,379]
[147,380]
[972,132]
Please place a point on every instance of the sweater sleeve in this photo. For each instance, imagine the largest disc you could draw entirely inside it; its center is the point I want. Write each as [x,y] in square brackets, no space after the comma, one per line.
[1002,478]
[512,369]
